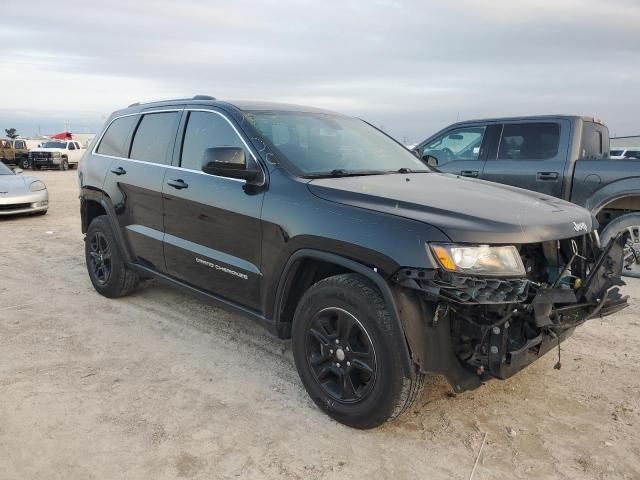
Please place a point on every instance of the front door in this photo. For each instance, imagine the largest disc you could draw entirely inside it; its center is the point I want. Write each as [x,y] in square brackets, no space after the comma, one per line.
[135,184]
[531,155]
[213,232]
[460,151]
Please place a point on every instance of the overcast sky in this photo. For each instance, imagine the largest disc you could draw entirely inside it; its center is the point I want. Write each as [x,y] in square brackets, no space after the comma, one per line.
[412,67]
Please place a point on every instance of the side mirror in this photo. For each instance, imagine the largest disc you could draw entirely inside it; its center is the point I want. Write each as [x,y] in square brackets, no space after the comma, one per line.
[431,161]
[228,162]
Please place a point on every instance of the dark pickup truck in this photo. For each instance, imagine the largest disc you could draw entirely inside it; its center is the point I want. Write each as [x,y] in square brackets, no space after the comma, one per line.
[561,155]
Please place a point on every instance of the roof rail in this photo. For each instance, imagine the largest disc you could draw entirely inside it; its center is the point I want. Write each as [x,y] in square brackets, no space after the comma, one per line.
[203,97]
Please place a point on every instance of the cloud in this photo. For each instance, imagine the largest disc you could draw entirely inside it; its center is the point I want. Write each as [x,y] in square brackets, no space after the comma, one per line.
[411,66]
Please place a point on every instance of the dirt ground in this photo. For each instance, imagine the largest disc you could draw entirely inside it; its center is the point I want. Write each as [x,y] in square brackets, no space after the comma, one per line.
[161,385]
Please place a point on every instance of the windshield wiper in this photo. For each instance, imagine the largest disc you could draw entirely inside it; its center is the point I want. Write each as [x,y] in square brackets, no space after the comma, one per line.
[339,173]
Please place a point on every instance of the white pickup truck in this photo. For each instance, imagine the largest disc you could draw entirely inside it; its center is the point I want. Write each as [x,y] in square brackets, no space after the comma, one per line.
[61,154]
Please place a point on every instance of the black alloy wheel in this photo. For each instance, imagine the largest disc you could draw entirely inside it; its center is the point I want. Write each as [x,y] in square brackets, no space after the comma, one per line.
[341,355]
[100,257]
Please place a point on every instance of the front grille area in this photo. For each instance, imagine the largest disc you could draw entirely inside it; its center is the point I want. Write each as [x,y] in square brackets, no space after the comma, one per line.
[14,206]
[464,288]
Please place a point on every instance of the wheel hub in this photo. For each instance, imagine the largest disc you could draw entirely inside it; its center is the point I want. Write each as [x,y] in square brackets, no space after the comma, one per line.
[341,355]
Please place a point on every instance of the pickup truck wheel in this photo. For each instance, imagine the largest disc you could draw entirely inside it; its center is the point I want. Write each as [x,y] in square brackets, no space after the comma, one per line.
[629,224]
[108,272]
[25,164]
[344,347]
[64,164]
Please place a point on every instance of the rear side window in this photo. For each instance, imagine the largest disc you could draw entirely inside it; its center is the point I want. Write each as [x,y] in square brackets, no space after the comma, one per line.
[206,130]
[529,141]
[113,141]
[616,153]
[154,137]
[593,142]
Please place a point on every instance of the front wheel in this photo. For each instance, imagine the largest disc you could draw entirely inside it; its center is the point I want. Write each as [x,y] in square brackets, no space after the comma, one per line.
[345,350]
[64,164]
[25,164]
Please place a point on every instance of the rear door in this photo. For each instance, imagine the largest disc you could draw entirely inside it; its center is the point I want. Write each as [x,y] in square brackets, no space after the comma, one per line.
[135,183]
[460,150]
[531,154]
[213,234]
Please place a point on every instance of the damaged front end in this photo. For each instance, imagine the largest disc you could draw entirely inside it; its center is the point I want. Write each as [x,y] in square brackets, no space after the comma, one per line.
[472,327]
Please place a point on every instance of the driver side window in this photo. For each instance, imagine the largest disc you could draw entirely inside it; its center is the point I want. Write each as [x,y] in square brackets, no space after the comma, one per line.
[460,144]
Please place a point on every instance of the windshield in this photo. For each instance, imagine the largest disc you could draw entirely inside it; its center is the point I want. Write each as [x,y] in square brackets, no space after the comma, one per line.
[4,170]
[62,145]
[616,153]
[314,143]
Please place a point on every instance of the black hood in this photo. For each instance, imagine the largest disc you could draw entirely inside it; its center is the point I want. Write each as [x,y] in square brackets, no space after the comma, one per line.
[466,210]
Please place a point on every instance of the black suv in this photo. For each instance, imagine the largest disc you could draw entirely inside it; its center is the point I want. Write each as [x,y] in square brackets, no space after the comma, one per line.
[332,234]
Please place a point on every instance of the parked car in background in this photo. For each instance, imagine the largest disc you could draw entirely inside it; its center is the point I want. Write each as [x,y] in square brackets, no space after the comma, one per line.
[328,232]
[627,152]
[61,154]
[14,152]
[21,193]
[560,155]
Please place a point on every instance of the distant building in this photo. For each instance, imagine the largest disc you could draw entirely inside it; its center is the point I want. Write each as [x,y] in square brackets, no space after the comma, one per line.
[621,142]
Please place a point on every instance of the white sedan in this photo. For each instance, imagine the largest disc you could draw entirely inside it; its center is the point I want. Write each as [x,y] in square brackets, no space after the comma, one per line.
[21,194]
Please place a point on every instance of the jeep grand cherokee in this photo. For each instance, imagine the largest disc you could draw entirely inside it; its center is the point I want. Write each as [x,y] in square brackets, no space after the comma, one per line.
[331,233]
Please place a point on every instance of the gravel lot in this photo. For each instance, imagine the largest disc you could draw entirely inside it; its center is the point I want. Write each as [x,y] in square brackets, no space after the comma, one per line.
[161,385]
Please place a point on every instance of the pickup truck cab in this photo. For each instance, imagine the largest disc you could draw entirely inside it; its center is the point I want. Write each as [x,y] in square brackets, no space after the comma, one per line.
[14,151]
[565,156]
[61,154]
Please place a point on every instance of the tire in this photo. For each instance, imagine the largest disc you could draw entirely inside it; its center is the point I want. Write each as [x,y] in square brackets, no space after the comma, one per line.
[356,378]
[64,164]
[114,279]
[629,223]
[25,164]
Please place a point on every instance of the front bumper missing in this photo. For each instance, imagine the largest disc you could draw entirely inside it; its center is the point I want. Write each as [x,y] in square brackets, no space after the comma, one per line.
[549,314]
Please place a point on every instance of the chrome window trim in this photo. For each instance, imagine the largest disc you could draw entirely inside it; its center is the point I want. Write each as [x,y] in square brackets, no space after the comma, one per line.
[173,167]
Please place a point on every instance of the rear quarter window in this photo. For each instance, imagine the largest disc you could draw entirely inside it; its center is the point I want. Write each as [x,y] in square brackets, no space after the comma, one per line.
[595,141]
[113,140]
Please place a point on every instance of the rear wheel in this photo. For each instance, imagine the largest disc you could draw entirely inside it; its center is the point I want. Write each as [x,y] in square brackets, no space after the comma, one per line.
[64,164]
[25,164]
[345,350]
[108,272]
[629,225]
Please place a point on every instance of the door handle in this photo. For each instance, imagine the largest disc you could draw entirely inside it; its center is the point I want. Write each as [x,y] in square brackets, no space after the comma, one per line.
[547,176]
[179,184]
[469,173]
[118,171]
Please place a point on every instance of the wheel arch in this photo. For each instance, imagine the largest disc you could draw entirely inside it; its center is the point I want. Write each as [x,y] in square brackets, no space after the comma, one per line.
[306,267]
[94,203]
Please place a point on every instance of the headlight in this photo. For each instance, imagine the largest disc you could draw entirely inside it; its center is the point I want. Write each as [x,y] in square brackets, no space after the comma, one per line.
[55,154]
[37,186]
[479,259]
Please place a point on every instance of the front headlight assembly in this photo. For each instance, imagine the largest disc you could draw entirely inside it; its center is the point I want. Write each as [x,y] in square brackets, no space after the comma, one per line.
[503,261]
[37,186]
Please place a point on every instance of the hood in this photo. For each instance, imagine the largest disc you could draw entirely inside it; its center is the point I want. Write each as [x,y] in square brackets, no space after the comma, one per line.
[41,149]
[13,185]
[466,210]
